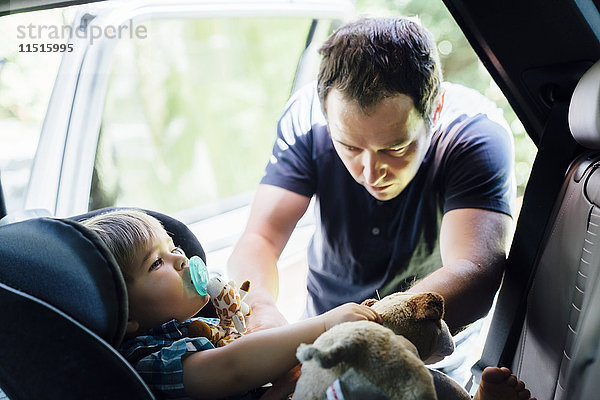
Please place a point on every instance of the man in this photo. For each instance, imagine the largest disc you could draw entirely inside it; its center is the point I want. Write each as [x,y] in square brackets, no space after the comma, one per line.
[403,202]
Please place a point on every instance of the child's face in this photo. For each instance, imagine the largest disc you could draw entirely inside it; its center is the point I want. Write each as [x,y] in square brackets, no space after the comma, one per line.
[160,288]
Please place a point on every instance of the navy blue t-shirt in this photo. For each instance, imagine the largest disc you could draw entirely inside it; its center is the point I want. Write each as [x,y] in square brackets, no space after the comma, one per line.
[362,244]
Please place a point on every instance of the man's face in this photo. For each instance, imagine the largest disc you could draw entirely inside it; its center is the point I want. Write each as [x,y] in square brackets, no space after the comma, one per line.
[161,288]
[383,147]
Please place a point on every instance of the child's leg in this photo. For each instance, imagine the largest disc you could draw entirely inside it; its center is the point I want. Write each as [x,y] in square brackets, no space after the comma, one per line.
[501,384]
[496,384]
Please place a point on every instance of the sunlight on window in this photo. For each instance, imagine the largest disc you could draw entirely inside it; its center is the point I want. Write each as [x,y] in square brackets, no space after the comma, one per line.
[23,106]
[190,122]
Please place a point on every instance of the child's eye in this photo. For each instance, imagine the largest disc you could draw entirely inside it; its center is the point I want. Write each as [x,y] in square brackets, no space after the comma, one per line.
[178,250]
[156,264]
[350,148]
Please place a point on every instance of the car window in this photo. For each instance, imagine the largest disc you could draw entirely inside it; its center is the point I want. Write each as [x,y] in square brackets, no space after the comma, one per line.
[23,106]
[191,110]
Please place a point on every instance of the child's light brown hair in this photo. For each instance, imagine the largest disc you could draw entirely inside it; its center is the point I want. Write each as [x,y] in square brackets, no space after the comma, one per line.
[125,232]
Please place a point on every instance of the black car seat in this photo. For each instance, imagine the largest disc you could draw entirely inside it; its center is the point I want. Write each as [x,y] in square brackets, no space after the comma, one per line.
[64,309]
[559,339]
[580,375]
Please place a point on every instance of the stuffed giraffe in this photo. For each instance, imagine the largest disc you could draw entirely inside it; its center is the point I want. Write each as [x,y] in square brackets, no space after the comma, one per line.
[231,311]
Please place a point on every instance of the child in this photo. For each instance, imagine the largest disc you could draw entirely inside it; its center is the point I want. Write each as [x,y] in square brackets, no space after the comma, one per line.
[162,300]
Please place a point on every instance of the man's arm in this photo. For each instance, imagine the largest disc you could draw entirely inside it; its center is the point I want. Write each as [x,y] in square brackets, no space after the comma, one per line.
[473,244]
[274,214]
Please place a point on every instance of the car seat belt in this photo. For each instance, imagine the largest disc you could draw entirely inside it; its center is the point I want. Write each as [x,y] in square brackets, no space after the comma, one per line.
[556,150]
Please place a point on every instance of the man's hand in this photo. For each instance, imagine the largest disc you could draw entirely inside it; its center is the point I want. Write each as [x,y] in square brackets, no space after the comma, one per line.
[264,316]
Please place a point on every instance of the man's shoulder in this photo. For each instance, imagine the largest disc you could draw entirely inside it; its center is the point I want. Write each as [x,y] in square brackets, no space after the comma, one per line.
[467,136]
[469,118]
[303,110]
[470,127]
[461,102]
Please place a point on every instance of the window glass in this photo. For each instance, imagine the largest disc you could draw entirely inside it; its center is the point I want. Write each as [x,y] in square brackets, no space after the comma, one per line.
[27,76]
[190,113]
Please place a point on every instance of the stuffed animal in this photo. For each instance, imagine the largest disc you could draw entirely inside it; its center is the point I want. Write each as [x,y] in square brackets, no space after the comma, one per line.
[363,359]
[231,311]
[419,318]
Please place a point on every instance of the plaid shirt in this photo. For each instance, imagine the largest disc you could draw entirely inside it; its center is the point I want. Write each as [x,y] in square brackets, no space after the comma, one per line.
[157,357]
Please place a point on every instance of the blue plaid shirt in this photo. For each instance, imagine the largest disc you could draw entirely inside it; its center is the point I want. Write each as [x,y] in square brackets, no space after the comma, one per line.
[157,357]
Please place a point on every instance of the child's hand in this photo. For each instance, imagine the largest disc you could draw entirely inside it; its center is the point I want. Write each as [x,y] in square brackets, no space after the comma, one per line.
[350,312]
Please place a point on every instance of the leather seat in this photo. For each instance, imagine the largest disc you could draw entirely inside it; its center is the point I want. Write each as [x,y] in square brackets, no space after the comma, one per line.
[556,352]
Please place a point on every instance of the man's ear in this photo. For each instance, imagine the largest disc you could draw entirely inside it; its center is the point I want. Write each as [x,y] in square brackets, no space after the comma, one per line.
[132,327]
[440,106]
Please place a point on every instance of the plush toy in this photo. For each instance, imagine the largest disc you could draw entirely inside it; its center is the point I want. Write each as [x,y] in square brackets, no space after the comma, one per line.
[363,359]
[419,318]
[231,311]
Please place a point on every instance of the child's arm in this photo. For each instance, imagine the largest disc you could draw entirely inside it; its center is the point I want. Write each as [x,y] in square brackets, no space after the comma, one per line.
[260,357]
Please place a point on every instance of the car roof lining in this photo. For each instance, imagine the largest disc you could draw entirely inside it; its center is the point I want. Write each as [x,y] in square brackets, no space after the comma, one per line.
[529,57]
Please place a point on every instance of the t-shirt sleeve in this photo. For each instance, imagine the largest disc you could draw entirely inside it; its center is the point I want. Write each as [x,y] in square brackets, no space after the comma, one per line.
[291,164]
[163,369]
[479,167]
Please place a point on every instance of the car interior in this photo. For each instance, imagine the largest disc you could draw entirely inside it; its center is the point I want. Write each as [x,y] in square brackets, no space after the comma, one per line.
[537,54]
[546,328]
[77,294]
[56,345]
[552,346]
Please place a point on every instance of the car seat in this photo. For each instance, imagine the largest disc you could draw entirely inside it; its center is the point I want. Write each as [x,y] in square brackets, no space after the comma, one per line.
[64,311]
[558,342]
[581,374]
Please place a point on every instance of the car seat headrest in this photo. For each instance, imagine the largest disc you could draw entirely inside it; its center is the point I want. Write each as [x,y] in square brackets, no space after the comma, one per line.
[65,265]
[584,110]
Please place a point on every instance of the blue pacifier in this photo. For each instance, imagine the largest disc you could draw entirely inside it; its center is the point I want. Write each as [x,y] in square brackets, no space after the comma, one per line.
[199,274]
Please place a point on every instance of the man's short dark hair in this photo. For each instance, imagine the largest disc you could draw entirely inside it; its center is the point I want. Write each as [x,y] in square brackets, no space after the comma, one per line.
[374,58]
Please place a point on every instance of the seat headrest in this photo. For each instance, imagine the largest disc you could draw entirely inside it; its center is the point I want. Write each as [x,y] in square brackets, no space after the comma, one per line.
[64,264]
[584,110]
